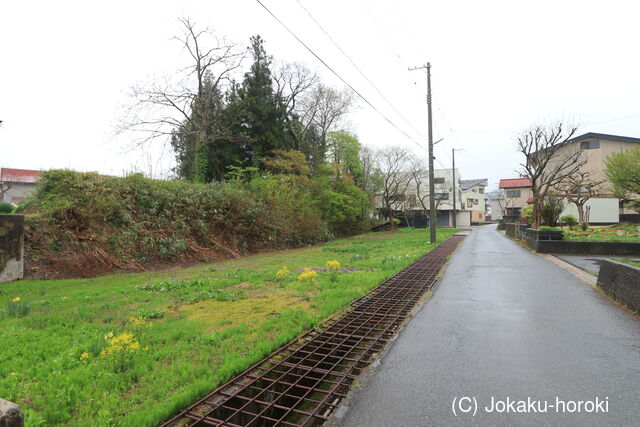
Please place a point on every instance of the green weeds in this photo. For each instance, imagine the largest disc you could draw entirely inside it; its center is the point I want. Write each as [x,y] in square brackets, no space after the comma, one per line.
[132,349]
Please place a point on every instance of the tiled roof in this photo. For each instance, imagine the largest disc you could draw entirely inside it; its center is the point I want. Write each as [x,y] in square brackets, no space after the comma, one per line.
[604,136]
[466,184]
[19,175]
[515,183]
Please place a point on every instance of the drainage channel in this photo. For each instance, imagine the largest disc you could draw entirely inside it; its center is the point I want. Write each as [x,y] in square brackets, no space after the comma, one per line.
[303,382]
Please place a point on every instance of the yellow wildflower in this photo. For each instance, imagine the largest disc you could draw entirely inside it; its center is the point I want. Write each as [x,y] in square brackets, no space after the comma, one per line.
[333,265]
[126,341]
[283,272]
[138,322]
[109,335]
[16,299]
[84,356]
[12,373]
[307,274]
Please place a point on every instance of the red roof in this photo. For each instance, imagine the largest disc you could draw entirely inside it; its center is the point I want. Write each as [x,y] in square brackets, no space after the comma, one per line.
[19,175]
[515,183]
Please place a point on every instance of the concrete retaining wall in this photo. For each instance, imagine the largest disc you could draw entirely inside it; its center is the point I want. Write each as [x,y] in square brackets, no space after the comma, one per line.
[549,242]
[11,247]
[10,414]
[584,248]
[510,229]
[621,282]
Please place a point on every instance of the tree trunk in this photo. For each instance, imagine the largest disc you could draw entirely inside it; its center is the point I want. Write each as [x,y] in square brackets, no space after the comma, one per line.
[537,212]
[580,212]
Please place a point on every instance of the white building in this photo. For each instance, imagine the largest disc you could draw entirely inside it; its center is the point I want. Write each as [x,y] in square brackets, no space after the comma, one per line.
[17,184]
[412,207]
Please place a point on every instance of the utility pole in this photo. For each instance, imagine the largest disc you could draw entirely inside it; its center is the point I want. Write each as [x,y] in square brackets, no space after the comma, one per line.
[432,203]
[453,171]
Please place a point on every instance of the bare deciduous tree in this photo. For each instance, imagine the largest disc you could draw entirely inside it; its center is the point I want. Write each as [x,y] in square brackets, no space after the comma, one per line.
[162,107]
[294,83]
[547,162]
[329,107]
[394,164]
[578,189]
[4,187]
[505,201]
[420,177]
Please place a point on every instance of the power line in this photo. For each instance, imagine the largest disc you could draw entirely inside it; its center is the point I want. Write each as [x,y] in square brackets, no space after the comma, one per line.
[612,120]
[358,68]
[338,75]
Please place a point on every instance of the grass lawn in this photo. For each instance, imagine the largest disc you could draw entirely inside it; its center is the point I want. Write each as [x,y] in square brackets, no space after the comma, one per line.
[603,234]
[131,349]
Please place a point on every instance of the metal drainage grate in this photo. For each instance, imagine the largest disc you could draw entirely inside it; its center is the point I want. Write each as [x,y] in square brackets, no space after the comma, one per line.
[301,383]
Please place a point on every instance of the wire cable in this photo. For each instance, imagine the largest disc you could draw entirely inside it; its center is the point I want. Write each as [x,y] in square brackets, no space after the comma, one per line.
[339,76]
[359,69]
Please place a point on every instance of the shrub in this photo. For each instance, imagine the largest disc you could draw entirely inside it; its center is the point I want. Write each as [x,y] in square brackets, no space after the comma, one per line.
[6,208]
[570,220]
[527,213]
[118,222]
[551,210]
[545,227]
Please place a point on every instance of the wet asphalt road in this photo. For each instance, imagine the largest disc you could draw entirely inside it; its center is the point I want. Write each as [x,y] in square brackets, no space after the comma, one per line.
[504,322]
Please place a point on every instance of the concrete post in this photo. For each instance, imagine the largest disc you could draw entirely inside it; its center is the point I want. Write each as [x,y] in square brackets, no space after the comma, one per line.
[10,414]
[11,247]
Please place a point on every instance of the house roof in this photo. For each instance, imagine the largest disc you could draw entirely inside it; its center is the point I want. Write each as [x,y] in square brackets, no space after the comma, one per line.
[28,176]
[604,136]
[466,184]
[515,183]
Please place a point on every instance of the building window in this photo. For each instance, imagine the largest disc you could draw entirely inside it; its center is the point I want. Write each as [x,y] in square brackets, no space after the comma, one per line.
[512,194]
[438,180]
[590,145]
[469,203]
[481,190]
[475,201]
[442,196]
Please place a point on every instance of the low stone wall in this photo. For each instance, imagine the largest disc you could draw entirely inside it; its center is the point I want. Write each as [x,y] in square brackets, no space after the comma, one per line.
[11,247]
[10,414]
[584,248]
[550,242]
[621,282]
[510,229]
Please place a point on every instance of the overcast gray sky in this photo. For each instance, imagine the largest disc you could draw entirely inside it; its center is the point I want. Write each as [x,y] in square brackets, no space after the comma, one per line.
[497,66]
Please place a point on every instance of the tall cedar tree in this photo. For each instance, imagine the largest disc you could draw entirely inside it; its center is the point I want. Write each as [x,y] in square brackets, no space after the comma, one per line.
[263,112]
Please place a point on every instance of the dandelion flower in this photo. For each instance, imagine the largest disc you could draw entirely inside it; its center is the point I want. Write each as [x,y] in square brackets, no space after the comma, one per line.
[16,299]
[84,356]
